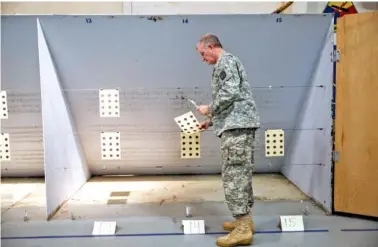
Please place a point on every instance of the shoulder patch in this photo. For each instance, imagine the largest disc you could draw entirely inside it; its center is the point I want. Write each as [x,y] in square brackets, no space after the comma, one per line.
[222,75]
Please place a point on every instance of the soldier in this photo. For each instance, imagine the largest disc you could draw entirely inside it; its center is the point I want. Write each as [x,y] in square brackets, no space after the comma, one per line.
[235,119]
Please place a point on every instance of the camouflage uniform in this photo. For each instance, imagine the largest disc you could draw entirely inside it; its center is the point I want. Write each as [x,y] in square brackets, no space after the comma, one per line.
[235,120]
[233,105]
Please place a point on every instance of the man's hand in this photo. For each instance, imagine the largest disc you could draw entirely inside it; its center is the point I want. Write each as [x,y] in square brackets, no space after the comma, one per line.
[205,125]
[203,109]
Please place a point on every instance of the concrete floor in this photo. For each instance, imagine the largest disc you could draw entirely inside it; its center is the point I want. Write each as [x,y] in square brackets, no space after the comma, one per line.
[107,196]
[150,209]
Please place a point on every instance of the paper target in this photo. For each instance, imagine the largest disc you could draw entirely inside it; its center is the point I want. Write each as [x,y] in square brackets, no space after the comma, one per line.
[190,146]
[274,142]
[109,103]
[4,147]
[110,145]
[188,123]
[4,105]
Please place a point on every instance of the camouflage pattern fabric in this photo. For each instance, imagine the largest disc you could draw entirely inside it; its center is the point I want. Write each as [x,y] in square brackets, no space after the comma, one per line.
[233,105]
[237,152]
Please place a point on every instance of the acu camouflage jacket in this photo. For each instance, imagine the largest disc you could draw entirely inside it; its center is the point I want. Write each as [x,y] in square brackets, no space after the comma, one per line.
[232,104]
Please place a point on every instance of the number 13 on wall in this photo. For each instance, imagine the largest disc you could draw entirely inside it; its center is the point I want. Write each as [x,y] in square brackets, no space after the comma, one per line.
[291,223]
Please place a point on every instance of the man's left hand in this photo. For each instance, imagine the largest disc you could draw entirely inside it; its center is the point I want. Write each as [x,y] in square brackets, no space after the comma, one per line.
[203,109]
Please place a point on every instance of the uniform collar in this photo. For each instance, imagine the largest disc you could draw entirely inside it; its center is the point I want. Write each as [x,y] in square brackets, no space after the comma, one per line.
[220,57]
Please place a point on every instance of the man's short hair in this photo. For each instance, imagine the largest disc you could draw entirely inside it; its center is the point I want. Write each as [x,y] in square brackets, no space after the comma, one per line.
[210,39]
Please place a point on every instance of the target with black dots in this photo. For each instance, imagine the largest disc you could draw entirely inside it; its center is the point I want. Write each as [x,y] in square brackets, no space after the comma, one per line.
[109,103]
[4,105]
[110,145]
[190,146]
[4,147]
[188,123]
[274,143]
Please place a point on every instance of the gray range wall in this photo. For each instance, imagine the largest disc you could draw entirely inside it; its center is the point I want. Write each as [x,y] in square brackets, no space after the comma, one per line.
[154,64]
[308,163]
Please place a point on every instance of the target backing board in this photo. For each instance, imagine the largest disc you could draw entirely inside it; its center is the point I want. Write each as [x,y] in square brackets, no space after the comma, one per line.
[4,147]
[109,103]
[188,123]
[274,142]
[190,146]
[110,145]
[4,105]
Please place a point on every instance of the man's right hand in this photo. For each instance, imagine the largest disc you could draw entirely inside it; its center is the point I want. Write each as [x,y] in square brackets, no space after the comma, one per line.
[205,125]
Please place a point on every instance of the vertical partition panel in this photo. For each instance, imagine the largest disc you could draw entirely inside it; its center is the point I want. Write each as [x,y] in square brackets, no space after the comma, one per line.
[308,163]
[66,169]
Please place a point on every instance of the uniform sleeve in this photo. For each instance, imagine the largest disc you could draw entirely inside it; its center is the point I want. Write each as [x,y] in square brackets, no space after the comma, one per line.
[229,88]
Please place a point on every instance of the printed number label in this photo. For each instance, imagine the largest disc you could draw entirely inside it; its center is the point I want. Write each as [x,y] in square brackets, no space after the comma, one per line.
[194,226]
[279,19]
[292,223]
[88,20]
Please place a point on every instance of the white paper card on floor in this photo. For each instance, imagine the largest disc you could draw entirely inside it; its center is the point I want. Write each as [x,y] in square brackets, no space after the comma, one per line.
[291,223]
[104,228]
[194,226]
[4,147]
[188,123]
[109,102]
[4,105]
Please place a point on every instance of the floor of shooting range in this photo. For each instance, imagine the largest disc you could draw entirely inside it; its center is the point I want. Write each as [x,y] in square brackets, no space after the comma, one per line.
[151,209]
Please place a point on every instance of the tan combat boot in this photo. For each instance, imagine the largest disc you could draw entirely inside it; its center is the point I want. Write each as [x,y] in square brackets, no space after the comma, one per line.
[230,225]
[240,235]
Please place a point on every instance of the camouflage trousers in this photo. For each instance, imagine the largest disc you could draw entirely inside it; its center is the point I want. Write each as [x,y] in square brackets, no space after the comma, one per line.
[237,152]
